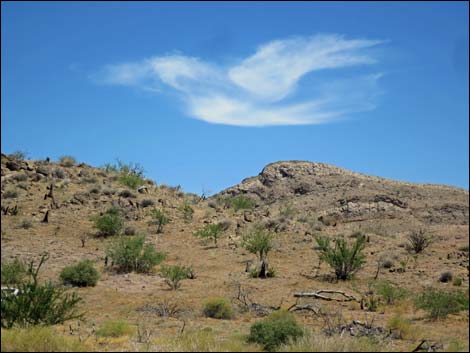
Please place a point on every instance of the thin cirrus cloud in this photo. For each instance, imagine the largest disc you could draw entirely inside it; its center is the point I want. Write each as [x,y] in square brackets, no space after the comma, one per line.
[264,88]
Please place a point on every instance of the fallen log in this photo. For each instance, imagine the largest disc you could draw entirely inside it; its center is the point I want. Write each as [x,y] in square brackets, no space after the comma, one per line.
[318,295]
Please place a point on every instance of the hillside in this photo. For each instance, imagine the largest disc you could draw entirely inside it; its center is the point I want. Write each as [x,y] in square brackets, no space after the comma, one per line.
[296,200]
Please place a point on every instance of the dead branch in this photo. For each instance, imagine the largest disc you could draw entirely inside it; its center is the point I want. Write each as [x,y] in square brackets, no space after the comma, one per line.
[317,295]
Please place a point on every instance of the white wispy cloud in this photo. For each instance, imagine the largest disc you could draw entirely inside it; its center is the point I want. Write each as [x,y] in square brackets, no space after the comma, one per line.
[261,90]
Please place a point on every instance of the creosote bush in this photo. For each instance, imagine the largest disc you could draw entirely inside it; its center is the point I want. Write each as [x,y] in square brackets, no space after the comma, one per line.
[418,241]
[210,231]
[132,254]
[241,202]
[13,271]
[218,308]
[82,274]
[173,275]
[277,329]
[67,161]
[345,259]
[36,303]
[440,303]
[110,223]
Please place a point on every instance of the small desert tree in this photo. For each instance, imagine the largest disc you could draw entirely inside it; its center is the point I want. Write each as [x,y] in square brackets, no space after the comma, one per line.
[345,259]
[259,241]
[36,303]
[173,275]
[210,231]
[159,218]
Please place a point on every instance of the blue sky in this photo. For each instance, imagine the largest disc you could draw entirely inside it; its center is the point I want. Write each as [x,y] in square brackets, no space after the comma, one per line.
[206,94]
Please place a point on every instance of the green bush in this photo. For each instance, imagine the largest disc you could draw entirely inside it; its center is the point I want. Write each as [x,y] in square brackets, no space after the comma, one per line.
[159,218]
[40,339]
[187,211]
[210,231]
[457,281]
[241,202]
[278,328]
[389,292]
[37,304]
[343,258]
[132,254]
[67,161]
[130,174]
[173,275]
[110,223]
[218,308]
[83,274]
[13,272]
[440,303]
[116,328]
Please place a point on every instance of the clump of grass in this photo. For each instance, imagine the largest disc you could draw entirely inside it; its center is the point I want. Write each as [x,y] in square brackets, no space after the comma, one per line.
[82,274]
[110,223]
[457,282]
[278,328]
[401,327]
[114,328]
[132,254]
[440,303]
[40,339]
[13,271]
[218,308]
[67,161]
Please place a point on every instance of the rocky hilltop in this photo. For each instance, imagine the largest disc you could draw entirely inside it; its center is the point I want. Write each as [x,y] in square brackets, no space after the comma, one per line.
[344,196]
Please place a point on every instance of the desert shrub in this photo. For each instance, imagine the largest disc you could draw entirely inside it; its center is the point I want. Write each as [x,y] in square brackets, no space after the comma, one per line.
[58,173]
[110,223]
[20,177]
[446,277]
[225,224]
[345,259]
[40,339]
[129,231]
[159,219]
[187,211]
[67,161]
[25,224]
[464,248]
[218,308]
[440,303]
[147,203]
[19,155]
[114,328]
[132,254]
[173,275]
[389,292]
[37,304]
[400,326]
[278,328]
[10,194]
[13,272]
[95,190]
[286,211]
[109,192]
[209,231]
[83,274]
[130,174]
[241,202]
[418,241]
[387,263]
[126,194]
[259,242]
[457,282]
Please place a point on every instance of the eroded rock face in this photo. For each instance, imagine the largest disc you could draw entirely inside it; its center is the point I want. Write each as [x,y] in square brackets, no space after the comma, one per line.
[348,196]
